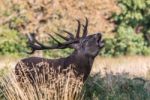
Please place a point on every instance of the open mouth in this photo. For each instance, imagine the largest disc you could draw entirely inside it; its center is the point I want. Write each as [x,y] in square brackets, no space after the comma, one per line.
[101,43]
[99,40]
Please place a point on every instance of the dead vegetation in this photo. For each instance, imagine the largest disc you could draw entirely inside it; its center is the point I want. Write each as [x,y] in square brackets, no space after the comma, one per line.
[45,16]
[119,82]
[53,87]
[135,66]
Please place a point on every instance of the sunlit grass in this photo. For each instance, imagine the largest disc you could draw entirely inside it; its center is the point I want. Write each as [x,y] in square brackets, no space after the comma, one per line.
[115,81]
[135,66]
[53,87]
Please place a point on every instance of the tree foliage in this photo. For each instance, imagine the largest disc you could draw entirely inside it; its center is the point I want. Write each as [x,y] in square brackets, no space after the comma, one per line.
[132,30]
[135,13]
[10,41]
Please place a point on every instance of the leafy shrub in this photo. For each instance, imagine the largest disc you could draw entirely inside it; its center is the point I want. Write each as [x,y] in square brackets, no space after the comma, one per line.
[115,87]
[132,30]
[136,15]
[125,42]
[10,41]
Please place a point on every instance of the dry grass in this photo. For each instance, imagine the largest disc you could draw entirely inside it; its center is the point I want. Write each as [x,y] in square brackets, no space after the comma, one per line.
[135,66]
[116,74]
[55,87]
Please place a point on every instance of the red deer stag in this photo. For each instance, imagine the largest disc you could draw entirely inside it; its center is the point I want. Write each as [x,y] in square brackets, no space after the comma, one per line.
[86,48]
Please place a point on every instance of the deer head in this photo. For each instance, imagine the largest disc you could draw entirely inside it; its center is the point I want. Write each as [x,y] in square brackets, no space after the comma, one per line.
[87,45]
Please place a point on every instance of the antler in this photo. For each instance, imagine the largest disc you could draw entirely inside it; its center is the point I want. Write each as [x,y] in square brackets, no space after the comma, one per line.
[35,45]
[85,31]
[78,30]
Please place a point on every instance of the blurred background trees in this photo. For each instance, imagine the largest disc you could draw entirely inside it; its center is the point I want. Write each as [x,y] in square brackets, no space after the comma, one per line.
[132,29]
[124,23]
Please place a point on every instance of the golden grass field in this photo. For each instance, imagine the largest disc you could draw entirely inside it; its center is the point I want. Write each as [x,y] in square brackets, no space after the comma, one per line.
[132,65]
[118,71]
[56,87]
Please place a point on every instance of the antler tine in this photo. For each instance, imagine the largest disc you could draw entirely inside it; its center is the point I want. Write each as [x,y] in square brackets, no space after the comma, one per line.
[31,38]
[54,39]
[35,45]
[31,43]
[32,51]
[85,31]
[70,34]
[63,37]
[78,30]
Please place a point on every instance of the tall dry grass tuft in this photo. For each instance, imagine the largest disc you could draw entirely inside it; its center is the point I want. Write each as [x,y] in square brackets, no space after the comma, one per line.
[52,86]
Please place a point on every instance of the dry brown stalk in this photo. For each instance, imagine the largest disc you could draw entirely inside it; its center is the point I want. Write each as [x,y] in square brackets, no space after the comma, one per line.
[47,86]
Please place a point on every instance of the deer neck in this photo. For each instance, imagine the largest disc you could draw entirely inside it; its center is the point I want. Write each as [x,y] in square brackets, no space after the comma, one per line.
[82,58]
[83,63]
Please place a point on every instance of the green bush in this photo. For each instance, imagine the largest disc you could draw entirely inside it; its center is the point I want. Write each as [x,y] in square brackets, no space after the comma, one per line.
[125,42]
[132,30]
[115,87]
[11,42]
[136,15]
